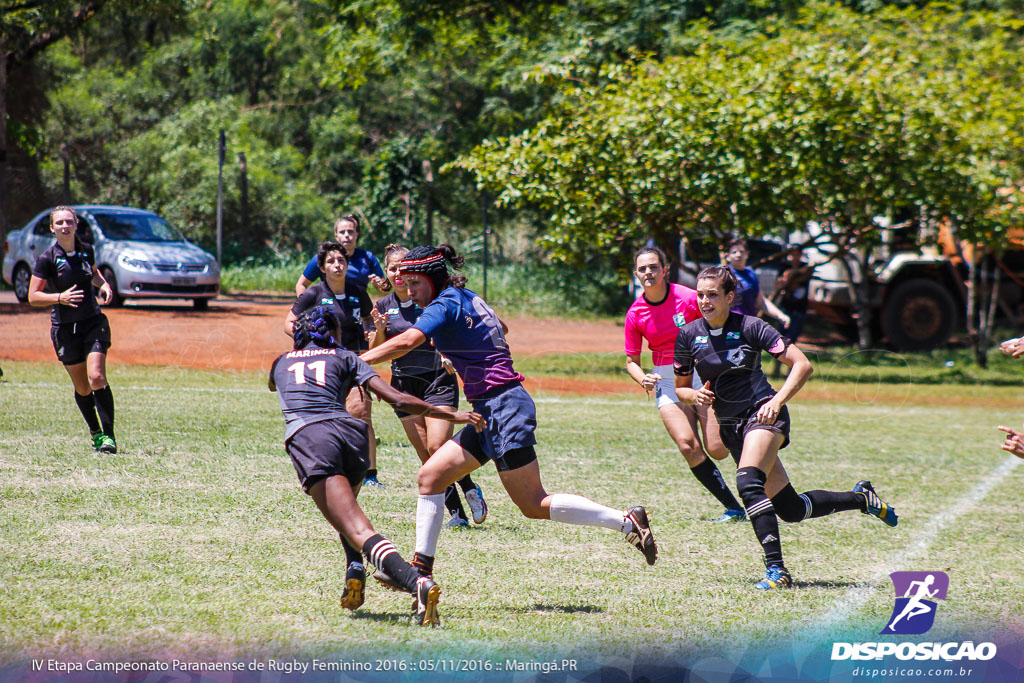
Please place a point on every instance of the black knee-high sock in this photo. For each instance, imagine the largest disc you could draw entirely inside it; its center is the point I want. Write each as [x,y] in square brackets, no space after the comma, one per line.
[87,406]
[105,408]
[466,483]
[352,555]
[707,474]
[750,483]
[383,555]
[826,502]
[453,502]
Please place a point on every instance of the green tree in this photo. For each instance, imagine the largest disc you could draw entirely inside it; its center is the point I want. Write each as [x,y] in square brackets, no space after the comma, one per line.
[835,118]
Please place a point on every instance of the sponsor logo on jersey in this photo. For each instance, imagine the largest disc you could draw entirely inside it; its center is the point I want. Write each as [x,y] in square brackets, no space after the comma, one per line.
[701,340]
[469,321]
[735,356]
[393,311]
[327,300]
[730,336]
[679,319]
[61,261]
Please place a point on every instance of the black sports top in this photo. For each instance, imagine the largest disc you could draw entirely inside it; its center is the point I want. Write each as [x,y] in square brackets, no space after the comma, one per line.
[312,384]
[730,358]
[61,270]
[424,359]
[351,326]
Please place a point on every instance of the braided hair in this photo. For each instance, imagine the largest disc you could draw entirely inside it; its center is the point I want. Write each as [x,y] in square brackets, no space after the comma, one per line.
[316,325]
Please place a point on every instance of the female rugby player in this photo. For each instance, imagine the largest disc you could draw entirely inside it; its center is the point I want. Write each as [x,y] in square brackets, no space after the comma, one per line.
[725,348]
[337,292]
[425,374]
[63,277]
[656,315]
[329,448]
[466,330]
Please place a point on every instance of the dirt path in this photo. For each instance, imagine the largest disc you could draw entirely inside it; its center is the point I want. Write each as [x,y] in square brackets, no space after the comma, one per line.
[246,334]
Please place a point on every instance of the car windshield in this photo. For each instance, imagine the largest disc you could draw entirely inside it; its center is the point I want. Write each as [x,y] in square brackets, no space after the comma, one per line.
[137,226]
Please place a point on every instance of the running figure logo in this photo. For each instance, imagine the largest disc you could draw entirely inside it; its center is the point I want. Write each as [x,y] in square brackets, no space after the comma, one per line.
[914,611]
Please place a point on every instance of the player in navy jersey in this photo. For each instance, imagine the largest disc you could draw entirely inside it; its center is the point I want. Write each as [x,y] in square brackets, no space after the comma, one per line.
[426,374]
[329,448]
[725,349]
[63,277]
[363,267]
[466,330]
[336,291]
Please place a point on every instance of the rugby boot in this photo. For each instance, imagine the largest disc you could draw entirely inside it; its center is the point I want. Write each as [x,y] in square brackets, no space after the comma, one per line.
[355,586]
[477,505]
[641,537]
[775,576]
[875,506]
[428,593]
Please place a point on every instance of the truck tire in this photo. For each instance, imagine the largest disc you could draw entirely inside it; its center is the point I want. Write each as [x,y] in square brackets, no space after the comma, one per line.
[919,315]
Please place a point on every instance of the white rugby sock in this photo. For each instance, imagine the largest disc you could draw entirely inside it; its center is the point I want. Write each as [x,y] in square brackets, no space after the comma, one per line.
[569,508]
[429,516]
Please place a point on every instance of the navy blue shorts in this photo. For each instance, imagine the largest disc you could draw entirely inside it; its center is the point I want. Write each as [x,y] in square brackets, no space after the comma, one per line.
[437,390]
[73,342]
[733,430]
[327,448]
[511,422]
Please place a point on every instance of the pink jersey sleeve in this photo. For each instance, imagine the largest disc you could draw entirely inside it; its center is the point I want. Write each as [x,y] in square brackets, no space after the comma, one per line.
[634,340]
[691,311]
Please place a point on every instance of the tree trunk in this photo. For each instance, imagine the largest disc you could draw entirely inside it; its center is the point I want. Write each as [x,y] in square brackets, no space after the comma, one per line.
[987,299]
[860,300]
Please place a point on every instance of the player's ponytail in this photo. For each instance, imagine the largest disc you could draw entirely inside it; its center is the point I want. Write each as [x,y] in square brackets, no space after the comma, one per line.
[456,262]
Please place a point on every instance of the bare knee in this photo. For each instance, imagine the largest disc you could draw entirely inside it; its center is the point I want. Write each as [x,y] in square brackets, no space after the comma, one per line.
[97,380]
[430,481]
[691,451]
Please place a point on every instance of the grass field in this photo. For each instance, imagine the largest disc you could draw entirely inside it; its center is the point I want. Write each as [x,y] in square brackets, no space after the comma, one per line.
[197,541]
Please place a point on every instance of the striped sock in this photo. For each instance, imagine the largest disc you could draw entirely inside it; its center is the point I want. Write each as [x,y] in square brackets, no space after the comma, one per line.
[383,556]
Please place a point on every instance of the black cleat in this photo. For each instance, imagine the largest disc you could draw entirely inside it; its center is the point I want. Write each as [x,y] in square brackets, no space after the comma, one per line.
[428,594]
[641,537]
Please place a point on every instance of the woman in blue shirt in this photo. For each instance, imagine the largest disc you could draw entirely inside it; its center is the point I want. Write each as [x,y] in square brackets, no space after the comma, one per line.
[749,298]
[467,331]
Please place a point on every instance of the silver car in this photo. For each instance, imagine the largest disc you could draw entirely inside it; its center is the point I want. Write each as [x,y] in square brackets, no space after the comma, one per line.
[141,255]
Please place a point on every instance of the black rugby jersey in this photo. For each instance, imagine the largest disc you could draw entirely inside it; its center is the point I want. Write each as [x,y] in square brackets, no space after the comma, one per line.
[351,325]
[61,270]
[730,358]
[424,359]
[312,384]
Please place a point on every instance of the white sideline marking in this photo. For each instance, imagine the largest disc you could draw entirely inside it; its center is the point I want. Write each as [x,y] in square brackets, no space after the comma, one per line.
[848,603]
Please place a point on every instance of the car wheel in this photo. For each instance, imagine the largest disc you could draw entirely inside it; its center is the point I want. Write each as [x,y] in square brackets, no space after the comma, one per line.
[115,299]
[919,315]
[22,277]
[200,304]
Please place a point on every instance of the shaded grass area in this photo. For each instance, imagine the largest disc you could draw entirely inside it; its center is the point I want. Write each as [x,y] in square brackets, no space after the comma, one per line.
[196,542]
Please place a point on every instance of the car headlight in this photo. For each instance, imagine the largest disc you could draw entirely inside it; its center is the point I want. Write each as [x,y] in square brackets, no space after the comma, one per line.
[134,263]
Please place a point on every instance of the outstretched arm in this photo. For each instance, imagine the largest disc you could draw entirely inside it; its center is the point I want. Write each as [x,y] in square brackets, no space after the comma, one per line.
[415,406]
[396,347]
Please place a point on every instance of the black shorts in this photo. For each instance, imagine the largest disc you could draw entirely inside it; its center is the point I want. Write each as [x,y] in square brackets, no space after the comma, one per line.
[73,342]
[733,430]
[323,449]
[437,390]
